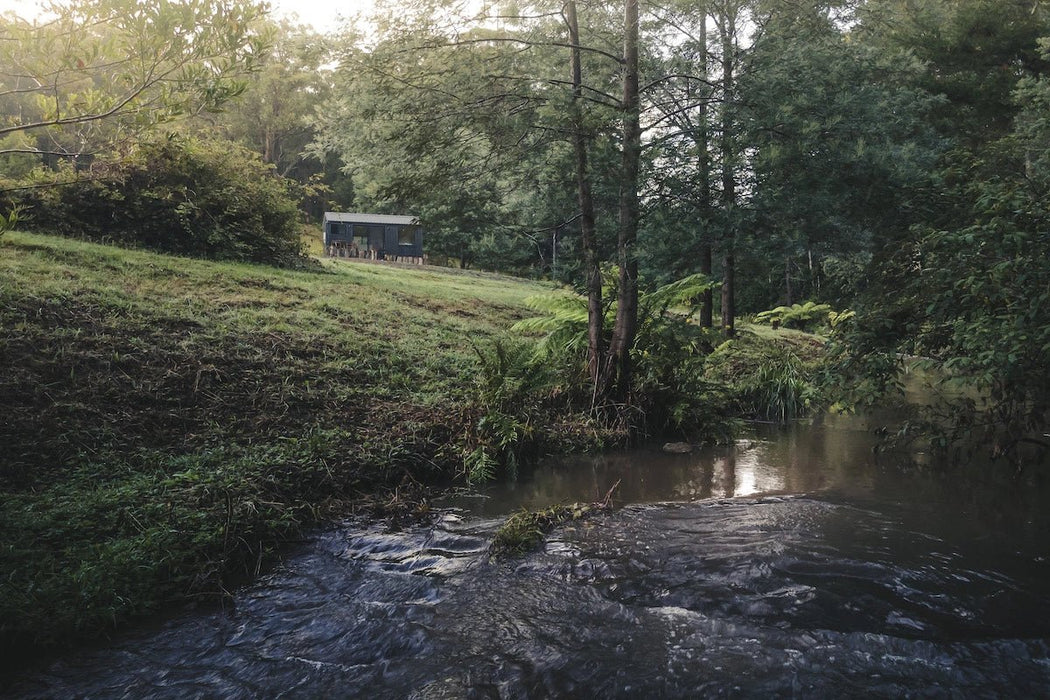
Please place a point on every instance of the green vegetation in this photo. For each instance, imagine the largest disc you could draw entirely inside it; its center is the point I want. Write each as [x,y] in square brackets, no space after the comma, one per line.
[167,422]
[177,195]
[98,74]
[668,392]
[798,316]
[525,530]
[771,375]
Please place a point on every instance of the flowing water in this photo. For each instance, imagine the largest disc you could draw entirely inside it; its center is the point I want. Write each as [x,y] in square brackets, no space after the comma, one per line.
[789,565]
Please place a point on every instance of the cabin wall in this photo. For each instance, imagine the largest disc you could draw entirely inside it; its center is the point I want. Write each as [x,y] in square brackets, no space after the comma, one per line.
[375,240]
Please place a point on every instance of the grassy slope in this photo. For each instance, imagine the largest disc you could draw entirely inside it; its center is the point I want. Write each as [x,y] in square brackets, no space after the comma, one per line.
[165,421]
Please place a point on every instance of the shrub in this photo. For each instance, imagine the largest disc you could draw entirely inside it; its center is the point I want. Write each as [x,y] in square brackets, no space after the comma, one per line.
[510,389]
[178,195]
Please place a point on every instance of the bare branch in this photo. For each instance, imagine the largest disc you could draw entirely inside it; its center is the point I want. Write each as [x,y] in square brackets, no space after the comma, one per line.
[678,76]
[40,152]
[522,42]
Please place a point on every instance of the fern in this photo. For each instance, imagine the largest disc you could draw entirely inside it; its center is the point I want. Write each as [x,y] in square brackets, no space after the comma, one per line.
[479,466]
[686,292]
[564,322]
[8,223]
[797,316]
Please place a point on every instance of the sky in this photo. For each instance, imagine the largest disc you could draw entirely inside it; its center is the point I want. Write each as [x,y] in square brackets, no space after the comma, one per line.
[322,14]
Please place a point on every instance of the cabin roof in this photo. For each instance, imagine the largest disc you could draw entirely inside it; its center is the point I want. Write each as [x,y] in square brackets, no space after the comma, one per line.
[370,218]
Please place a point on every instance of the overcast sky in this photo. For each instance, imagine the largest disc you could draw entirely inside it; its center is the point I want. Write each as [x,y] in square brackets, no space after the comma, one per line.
[322,14]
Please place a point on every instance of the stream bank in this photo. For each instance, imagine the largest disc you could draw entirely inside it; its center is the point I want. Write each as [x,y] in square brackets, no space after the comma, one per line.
[793,563]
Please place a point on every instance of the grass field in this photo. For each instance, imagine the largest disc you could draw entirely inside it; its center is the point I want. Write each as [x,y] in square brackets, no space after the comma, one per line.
[165,422]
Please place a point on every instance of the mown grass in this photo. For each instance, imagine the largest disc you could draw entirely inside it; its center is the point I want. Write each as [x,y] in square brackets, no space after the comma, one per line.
[165,423]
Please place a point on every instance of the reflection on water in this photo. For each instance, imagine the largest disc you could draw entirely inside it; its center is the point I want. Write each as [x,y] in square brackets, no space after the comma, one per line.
[772,460]
[790,564]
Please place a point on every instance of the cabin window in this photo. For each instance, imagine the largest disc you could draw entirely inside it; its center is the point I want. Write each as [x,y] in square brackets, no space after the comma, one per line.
[406,236]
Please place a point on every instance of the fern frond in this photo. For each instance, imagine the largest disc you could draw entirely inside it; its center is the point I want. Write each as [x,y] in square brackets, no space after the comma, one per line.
[686,291]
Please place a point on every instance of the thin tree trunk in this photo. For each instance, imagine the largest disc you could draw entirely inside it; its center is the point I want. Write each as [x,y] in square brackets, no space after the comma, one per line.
[708,300]
[626,326]
[728,292]
[814,274]
[588,233]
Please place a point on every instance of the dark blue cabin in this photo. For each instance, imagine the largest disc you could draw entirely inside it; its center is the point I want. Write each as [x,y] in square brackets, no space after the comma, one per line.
[373,236]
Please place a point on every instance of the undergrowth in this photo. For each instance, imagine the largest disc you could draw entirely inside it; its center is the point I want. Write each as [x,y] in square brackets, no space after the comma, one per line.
[768,374]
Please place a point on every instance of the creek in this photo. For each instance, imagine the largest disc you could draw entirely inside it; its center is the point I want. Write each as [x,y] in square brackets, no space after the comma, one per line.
[792,564]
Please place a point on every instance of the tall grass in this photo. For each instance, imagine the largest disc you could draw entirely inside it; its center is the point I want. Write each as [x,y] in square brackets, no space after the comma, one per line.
[769,374]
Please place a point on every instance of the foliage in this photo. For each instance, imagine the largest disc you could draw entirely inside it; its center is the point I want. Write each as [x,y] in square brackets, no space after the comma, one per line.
[669,391]
[972,52]
[837,166]
[978,308]
[9,222]
[965,289]
[99,72]
[178,195]
[798,316]
[782,390]
[410,136]
[564,322]
[272,115]
[510,387]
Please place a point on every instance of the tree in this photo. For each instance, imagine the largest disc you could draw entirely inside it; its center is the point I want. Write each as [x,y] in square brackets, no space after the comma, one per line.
[273,114]
[409,135]
[626,326]
[96,72]
[834,166]
[966,288]
[588,232]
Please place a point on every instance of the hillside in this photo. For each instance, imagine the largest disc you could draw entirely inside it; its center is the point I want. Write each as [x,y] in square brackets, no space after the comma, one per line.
[167,422]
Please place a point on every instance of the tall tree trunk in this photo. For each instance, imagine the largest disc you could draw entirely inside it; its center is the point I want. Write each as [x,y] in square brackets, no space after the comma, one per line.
[595,339]
[707,303]
[727,32]
[626,326]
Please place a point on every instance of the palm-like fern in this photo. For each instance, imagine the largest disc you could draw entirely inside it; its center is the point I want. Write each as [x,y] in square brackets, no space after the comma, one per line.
[564,323]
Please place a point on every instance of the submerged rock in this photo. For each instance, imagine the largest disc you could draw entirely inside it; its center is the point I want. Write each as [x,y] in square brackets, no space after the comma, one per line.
[677,448]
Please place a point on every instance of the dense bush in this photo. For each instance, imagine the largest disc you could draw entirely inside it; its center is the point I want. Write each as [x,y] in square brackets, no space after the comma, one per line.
[177,195]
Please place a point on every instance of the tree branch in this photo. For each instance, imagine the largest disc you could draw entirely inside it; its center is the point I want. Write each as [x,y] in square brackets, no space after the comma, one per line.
[522,42]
